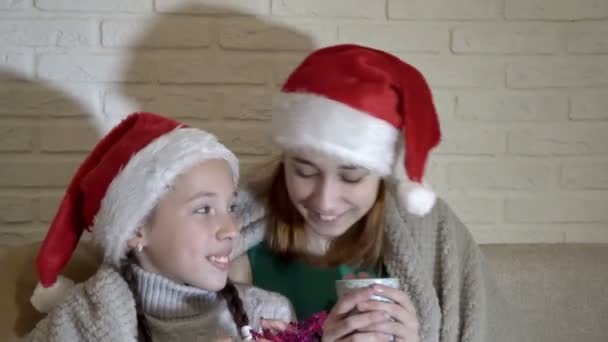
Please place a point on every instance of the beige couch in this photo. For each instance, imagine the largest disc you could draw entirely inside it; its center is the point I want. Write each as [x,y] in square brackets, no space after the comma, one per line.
[562,290]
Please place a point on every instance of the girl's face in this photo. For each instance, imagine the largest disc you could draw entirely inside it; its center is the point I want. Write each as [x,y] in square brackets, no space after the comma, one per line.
[191,233]
[331,196]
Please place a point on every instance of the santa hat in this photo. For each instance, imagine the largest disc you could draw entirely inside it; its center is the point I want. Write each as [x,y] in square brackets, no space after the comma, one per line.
[114,190]
[362,106]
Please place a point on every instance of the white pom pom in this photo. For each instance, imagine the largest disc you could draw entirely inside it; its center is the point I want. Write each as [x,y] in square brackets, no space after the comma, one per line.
[45,298]
[417,198]
[246,333]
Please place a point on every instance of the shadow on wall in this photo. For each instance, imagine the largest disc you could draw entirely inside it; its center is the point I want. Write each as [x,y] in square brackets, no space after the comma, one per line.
[36,161]
[211,66]
[214,68]
[38,154]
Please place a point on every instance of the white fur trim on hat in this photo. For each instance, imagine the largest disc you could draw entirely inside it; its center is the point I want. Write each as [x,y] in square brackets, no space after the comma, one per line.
[45,298]
[304,120]
[139,186]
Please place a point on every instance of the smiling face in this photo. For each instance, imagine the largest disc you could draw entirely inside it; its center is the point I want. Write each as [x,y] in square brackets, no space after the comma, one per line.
[190,235]
[331,196]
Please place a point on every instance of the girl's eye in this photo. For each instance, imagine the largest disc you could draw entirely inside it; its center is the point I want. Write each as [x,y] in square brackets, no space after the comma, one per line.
[351,180]
[353,176]
[203,210]
[233,208]
[303,174]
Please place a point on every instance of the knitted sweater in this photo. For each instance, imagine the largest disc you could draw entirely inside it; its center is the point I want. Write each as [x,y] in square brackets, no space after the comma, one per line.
[439,266]
[103,309]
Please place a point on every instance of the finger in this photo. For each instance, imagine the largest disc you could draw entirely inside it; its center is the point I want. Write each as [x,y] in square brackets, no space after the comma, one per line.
[274,324]
[396,296]
[363,275]
[400,331]
[357,321]
[347,302]
[394,310]
[368,337]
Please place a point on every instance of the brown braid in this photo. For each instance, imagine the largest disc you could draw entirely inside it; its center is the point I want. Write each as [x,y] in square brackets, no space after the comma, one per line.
[128,273]
[235,305]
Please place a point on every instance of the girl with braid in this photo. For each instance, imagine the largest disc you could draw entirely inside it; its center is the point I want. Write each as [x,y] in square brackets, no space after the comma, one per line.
[159,198]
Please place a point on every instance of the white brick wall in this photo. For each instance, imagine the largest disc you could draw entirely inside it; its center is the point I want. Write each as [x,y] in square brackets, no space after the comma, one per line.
[63,33]
[17,61]
[182,32]
[556,9]
[444,9]
[546,72]
[234,7]
[587,37]
[521,87]
[409,37]
[501,38]
[589,105]
[131,6]
[477,106]
[569,139]
[330,9]
[7,5]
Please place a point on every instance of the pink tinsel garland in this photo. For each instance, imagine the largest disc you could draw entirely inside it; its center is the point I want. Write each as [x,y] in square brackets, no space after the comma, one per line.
[309,330]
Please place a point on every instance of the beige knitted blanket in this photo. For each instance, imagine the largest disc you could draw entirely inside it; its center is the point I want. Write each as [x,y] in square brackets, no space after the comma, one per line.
[103,309]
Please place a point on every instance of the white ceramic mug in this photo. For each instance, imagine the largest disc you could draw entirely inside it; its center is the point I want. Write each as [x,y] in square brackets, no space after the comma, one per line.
[346,285]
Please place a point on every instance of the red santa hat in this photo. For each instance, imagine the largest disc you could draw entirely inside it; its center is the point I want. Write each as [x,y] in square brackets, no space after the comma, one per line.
[115,189]
[366,107]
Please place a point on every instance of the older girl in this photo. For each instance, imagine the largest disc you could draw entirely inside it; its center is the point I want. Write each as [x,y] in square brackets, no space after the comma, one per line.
[356,126]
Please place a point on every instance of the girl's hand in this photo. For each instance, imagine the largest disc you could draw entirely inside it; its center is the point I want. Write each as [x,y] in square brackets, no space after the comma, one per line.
[342,324]
[404,324]
[274,324]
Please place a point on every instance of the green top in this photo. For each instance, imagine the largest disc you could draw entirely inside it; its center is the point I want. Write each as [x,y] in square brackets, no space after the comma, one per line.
[309,288]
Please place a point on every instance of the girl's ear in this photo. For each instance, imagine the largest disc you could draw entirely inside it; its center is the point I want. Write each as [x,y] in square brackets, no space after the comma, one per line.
[138,241]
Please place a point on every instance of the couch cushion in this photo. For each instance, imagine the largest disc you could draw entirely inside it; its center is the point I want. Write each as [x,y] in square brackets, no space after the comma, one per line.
[17,316]
[562,289]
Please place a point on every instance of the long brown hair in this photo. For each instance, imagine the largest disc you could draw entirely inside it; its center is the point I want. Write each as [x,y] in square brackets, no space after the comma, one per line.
[229,293]
[360,246]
